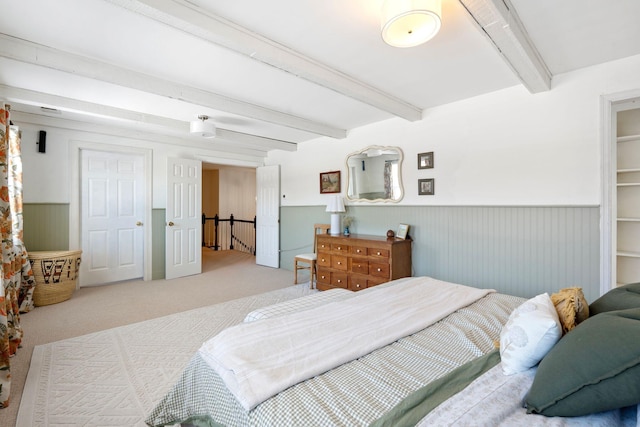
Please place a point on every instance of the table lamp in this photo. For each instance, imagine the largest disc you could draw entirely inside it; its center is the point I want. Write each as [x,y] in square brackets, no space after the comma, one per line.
[335,206]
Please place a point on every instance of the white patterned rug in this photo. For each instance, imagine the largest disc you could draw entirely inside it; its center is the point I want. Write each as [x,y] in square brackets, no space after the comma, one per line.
[115,377]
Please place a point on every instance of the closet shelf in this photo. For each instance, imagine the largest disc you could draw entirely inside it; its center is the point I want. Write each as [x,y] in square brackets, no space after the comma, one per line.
[628,254]
[628,138]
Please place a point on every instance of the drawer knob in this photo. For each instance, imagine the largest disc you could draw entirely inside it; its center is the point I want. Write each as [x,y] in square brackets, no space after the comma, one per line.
[339,263]
[358,251]
[322,277]
[339,248]
[379,269]
[339,281]
[323,260]
[379,253]
[358,285]
[359,266]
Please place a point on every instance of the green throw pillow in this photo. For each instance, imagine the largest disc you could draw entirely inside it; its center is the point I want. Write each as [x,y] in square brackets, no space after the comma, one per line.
[621,298]
[593,368]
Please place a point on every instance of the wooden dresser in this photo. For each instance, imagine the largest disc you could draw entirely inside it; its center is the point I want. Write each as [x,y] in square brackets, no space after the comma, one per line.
[357,262]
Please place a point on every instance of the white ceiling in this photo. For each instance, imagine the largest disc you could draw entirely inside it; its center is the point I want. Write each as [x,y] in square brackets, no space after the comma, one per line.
[272,74]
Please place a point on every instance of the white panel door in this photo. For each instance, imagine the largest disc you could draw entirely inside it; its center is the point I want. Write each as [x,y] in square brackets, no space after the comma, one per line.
[268,216]
[183,218]
[112,204]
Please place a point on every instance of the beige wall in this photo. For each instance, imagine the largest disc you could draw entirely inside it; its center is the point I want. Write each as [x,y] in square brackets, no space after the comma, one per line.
[237,192]
[210,192]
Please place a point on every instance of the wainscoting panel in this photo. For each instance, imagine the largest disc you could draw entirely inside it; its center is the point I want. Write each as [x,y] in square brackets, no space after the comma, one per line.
[46,226]
[517,250]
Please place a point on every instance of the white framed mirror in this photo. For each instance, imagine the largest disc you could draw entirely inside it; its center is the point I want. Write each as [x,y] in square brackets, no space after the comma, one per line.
[374,174]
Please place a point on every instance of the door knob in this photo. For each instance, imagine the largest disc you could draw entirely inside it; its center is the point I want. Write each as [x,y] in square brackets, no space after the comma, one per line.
[139,224]
[170,224]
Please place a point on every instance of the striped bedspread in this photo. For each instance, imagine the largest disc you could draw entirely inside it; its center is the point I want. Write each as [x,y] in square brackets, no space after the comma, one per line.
[260,359]
[355,393]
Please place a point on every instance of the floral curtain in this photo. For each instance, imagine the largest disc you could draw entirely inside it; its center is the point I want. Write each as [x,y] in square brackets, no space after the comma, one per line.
[17,277]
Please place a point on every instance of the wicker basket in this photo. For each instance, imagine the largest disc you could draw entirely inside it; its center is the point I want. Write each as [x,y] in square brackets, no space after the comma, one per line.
[56,273]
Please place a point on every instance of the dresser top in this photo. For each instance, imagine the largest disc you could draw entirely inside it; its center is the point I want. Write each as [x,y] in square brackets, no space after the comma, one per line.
[361,237]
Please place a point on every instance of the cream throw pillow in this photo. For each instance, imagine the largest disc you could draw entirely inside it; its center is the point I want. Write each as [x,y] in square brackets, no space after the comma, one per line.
[531,331]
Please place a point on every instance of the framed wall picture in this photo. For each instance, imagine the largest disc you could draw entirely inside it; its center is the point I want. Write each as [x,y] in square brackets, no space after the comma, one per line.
[426,187]
[329,182]
[403,229]
[425,160]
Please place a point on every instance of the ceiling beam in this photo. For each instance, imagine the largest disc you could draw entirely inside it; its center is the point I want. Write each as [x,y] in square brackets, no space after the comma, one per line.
[213,147]
[44,56]
[201,23]
[501,24]
[40,99]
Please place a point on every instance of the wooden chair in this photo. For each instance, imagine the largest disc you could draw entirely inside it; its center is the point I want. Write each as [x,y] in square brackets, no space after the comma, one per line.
[308,261]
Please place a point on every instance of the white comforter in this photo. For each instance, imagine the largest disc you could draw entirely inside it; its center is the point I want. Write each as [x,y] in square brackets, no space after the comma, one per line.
[258,360]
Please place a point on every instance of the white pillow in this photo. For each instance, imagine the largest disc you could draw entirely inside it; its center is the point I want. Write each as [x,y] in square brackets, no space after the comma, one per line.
[531,331]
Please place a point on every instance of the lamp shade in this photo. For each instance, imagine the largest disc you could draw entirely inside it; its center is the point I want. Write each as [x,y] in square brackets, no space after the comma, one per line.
[408,23]
[202,127]
[336,204]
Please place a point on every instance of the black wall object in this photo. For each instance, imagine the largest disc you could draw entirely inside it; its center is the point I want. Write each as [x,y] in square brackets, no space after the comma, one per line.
[42,143]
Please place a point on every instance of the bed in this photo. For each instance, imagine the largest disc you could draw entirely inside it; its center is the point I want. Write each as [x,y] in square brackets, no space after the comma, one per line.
[446,373]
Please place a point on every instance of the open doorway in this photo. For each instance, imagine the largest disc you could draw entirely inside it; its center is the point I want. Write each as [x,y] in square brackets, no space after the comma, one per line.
[226,191]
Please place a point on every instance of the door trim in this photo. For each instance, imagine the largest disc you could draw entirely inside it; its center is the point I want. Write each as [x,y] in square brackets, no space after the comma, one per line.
[609,106]
[75,148]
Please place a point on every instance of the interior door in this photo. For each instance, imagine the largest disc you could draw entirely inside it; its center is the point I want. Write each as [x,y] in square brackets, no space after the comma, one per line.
[112,212]
[183,247]
[268,216]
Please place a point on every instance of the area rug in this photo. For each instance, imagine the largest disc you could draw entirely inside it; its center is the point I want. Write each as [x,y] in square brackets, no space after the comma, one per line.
[115,377]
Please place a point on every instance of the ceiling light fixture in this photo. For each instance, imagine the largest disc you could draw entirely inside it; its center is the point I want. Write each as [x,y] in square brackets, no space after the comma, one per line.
[202,127]
[408,23]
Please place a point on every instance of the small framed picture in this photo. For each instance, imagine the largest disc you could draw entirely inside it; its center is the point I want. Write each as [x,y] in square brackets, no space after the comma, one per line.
[403,229]
[329,182]
[425,160]
[426,187]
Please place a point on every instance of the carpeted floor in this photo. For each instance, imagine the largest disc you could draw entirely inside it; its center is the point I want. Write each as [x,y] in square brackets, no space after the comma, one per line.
[115,377]
[226,276]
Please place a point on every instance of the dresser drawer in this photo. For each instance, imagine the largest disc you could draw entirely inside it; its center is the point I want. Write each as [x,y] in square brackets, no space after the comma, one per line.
[384,253]
[379,270]
[339,279]
[373,281]
[339,262]
[359,250]
[323,259]
[358,283]
[360,266]
[326,247]
[340,248]
[324,276]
